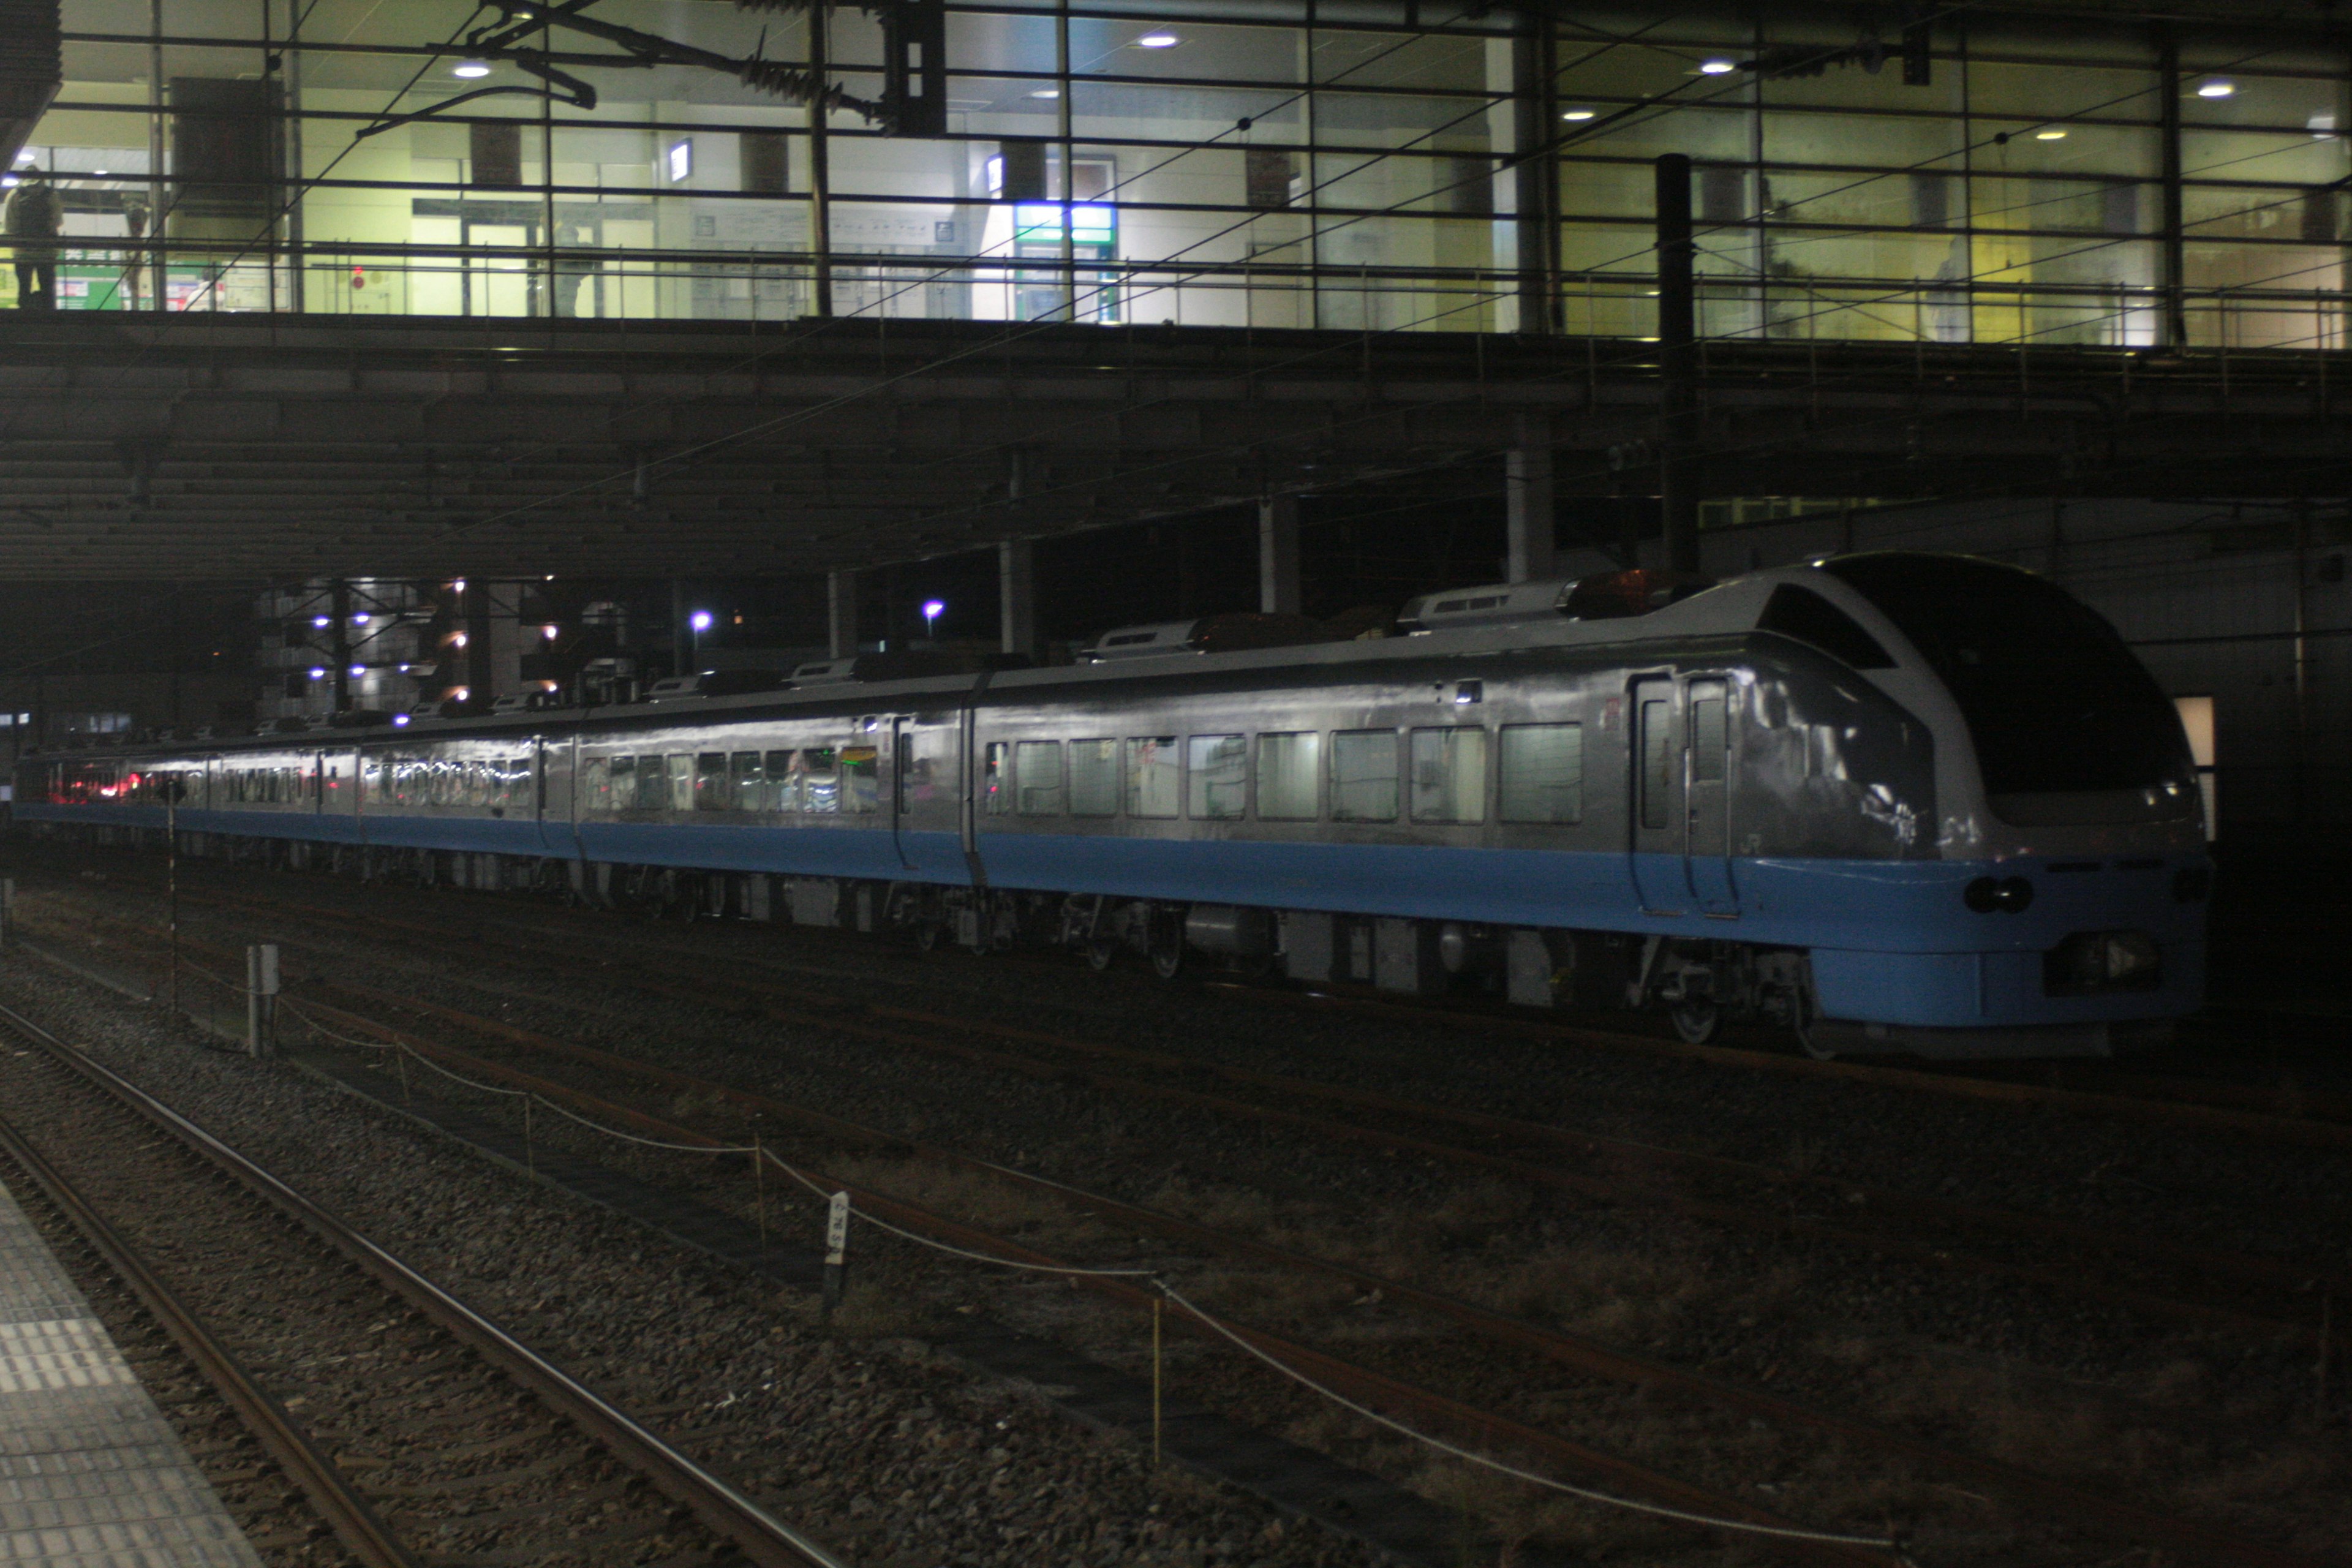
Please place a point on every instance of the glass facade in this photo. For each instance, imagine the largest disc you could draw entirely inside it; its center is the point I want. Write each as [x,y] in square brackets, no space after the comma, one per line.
[1360,164]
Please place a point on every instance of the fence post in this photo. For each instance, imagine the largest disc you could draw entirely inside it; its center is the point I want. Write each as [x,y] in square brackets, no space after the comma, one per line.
[260,998]
[836,1251]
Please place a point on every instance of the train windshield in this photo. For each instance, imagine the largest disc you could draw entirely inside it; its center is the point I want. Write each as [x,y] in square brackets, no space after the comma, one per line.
[2053,699]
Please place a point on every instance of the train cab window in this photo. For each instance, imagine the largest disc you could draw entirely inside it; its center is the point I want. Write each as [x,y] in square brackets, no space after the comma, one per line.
[1094,778]
[1542,773]
[711,790]
[1153,787]
[1449,774]
[1364,776]
[746,785]
[1219,778]
[783,783]
[861,780]
[1805,615]
[1037,776]
[996,779]
[821,781]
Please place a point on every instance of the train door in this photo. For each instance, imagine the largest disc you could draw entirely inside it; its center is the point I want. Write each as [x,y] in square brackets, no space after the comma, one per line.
[1658,795]
[1682,737]
[1706,788]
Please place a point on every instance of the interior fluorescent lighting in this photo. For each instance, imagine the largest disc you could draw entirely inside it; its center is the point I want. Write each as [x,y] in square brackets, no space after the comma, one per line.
[1156,41]
[469,70]
[2050,136]
[1576,114]
[2217,88]
[1716,67]
[1048,92]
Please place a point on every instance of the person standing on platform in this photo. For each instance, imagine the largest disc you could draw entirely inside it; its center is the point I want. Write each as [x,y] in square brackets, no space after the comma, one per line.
[135,213]
[36,214]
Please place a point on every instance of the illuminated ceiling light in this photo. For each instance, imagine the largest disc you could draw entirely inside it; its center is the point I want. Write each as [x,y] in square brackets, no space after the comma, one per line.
[99,173]
[2050,136]
[358,670]
[2216,87]
[1716,67]
[318,672]
[1156,41]
[1047,92]
[1576,114]
[323,620]
[699,620]
[549,633]
[469,70]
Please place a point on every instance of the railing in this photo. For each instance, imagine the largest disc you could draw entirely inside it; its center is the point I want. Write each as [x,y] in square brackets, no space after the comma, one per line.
[652,285]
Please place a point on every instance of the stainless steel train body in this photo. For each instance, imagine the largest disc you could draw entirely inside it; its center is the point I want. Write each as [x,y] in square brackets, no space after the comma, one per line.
[1899,802]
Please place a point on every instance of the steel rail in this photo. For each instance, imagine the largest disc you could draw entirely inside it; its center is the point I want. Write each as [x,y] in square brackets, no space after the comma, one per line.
[353,1520]
[763,1539]
[2200,1542]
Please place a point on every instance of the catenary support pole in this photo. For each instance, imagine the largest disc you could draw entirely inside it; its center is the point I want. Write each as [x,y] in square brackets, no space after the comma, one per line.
[1278,589]
[1677,340]
[1527,500]
[841,613]
[1017,595]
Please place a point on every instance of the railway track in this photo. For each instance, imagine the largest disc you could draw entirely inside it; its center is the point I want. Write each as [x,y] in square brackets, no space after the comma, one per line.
[2057,1500]
[776,991]
[2266,1297]
[453,1440]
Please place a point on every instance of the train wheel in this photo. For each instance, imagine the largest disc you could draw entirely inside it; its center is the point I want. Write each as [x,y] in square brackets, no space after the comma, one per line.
[1169,961]
[927,935]
[1695,1021]
[1811,1039]
[1101,952]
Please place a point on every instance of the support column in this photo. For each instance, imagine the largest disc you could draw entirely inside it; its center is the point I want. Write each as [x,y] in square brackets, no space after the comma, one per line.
[841,613]
[1677,340]
[2172,266]
[1528,509]
[338,643]
[1279,590]
[1536,179]
[1017,595]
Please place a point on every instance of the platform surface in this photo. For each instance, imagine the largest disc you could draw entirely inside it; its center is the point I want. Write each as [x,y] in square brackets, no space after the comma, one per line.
[91,1475]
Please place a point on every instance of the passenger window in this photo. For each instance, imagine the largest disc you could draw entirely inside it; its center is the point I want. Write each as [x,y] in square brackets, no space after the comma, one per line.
[1449,776]
[711,787]
[1709,732]
[1657,762]
[1289,776]
[1219,777]
[996,793]
[624,783]
[596,785]
[681,782]
[653,784]
[783,771]
[1094,778]
[1364,776]
[821,781]
[1037,774]
[861,780]
[1542,773]
[747,789]
[1152,783]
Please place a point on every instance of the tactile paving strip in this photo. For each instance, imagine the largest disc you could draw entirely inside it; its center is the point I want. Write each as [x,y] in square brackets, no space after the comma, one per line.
[91,1475]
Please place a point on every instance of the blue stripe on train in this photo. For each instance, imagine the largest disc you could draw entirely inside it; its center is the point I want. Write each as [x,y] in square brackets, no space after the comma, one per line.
[1891,941]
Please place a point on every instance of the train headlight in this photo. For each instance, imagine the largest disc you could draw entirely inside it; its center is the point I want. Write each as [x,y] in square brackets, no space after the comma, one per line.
[2096,960]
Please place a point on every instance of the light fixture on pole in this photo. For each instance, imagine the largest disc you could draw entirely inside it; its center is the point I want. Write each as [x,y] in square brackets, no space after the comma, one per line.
[933,610]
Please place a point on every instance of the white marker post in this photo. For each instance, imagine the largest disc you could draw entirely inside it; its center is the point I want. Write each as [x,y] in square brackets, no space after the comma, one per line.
[261,995]
[836,1251]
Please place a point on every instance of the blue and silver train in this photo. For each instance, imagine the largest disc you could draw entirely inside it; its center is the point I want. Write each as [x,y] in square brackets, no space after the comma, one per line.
[1894,802]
